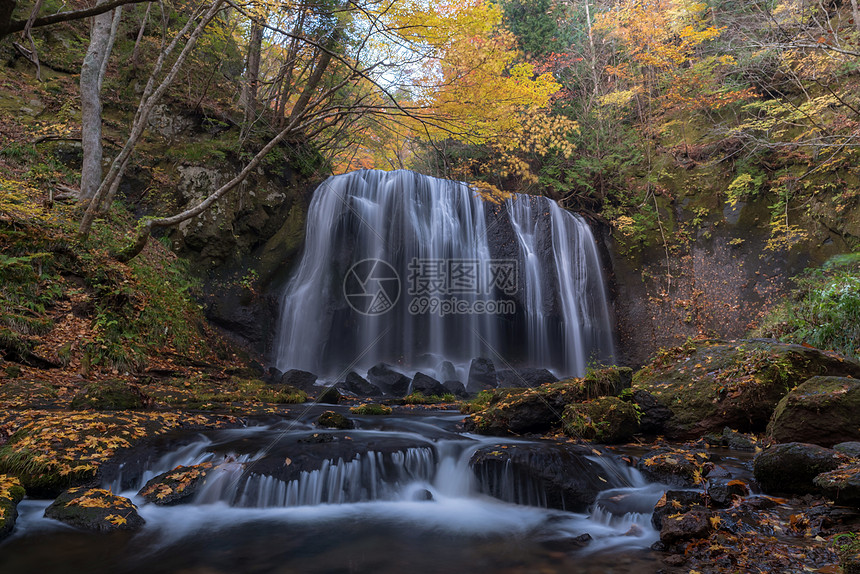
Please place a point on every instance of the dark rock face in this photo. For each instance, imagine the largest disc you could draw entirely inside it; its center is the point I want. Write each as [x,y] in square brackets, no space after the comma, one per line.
[694,524]
[446,371]
[790,468]
[822,410]
[175,486]
[680,467]
[95,509]
[330,396]
[677,502]
[653,414]
[360,386]
[558,475]
[482,375]
[841,485]
[333,420]
[524,378]
[710,385]
[110,395]
[388,380]
[456,388]
[427,385]
[302,380]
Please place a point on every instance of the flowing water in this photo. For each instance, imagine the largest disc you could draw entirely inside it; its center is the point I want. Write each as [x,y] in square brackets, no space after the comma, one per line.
[413,270]
[395,494]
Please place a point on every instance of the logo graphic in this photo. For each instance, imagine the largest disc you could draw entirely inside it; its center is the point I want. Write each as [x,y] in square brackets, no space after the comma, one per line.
[371,287]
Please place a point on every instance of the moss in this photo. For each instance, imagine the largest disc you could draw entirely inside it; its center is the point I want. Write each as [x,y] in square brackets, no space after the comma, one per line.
[333,420]
[605,419]
[110,395]
[418,398]
[11,493]
[371,409]
[847,546]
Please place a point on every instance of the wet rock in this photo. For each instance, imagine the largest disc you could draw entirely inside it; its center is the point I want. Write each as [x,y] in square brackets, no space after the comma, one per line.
[722,492]
[519,411]
[360,386]
[422,495]
[427,386]
[110,395]
[388,380]
[851,448]
[841,485]
[273,375]
[681,467]
[606,420]
[446,371]
[175,486]
[688,526]
[11,493]
[710,385]
[330,396]
[558,475]
[731,439]
[526,377]
[790,467]
[675,502]
[482,375]
[333,420]
[653,413]
[568,543]
[822,410]
[302,380]
[95,509]
[456,388]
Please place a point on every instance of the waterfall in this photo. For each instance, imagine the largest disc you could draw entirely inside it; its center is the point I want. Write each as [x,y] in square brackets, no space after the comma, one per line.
[413,270]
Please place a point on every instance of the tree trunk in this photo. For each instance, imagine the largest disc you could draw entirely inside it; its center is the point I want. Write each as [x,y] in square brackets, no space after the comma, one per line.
[311,86]
[135,53]
[91,105]
[252,75]
[7,26]
[7,7]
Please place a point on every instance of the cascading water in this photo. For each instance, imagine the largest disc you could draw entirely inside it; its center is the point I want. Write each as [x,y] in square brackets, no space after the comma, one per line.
[413,270]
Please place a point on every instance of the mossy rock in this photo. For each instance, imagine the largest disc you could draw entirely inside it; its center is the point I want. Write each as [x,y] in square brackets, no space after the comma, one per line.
[11,493]
[110,395]
[791,467]
[682,467]
[175,486]
[607,420]
[539,409]
[841,485]
[333,420]
[371,409]
[95,509]
[822,410]
[710,385]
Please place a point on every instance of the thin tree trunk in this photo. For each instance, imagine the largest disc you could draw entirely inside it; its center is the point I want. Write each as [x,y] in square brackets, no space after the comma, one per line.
[114,27]
[252,75]
[135,53]
[311,86]
[91,105]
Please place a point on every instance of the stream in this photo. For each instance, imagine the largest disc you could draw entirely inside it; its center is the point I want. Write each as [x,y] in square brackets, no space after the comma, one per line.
[396,494]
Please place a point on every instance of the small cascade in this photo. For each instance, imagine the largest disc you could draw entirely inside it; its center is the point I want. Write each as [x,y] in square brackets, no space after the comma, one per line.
[412,270]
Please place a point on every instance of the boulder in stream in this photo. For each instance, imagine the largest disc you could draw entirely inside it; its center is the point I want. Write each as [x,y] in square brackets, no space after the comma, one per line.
[302,380]
[559,475]
[333,420]
[841,485]
[175,486]
[482,375]
[11,493]
[388,380]
[790,468]
[822,410]
[95,509]
[360,386]
[428,386]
